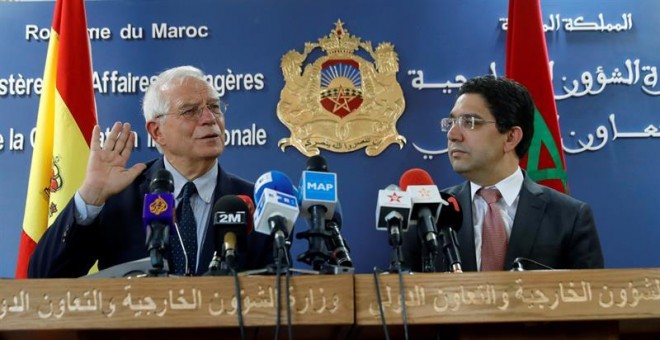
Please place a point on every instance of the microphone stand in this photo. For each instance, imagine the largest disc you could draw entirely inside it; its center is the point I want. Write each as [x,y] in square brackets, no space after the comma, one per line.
[157,243]
[281,266]
[396,240]
[428,259]
[220,267]
[450,250]
[280,254]
[316,255]
[323,242]
[427,233]
[340,252]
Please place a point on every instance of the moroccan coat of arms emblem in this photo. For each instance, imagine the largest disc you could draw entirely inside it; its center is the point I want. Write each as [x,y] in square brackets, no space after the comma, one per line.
[341,102]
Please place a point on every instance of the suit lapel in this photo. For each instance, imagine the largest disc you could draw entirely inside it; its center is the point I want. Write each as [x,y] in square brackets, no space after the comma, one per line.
[466,234]
[529,216]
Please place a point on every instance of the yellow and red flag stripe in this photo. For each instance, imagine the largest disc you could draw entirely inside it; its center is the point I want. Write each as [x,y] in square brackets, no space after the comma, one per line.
[67,115]
[527,63]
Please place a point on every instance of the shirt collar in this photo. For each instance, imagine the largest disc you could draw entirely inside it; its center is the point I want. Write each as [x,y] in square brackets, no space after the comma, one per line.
[205,184]
[508,187]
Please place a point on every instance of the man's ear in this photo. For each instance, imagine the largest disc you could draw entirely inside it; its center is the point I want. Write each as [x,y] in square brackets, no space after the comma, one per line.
[153,128]
[513,138]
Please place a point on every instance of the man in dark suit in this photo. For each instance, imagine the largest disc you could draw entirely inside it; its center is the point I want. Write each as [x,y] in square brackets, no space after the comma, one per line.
[103,221]
[489,130]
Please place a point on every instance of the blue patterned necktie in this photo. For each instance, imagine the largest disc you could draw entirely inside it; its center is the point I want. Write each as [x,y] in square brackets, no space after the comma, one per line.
[188,231]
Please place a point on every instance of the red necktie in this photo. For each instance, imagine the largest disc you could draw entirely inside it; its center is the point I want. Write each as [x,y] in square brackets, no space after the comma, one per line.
[493,238]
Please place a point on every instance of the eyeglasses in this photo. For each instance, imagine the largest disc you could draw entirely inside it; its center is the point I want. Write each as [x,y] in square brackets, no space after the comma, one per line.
[465,122]
[218,109]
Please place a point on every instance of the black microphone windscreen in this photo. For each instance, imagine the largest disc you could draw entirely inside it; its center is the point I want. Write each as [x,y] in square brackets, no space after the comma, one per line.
[317,163]
[230,203]
[230,214]
[450,215]
[162,182]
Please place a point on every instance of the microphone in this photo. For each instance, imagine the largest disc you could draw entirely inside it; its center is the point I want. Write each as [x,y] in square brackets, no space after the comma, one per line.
[317,191]
[393,212]
[426,202]
[449,222]
[250,205]
[317,195]
[230,216]
[158,217]
[277,208]
[274,180]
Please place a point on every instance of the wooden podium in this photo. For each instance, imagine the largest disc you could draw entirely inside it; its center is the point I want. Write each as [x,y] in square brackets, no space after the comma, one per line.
[174,308]
[609,304]
[602,304]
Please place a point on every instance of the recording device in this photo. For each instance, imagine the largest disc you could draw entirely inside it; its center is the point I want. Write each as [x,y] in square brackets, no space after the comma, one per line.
[426,202]
[449,223]
[231,222]
[158,218]
[276,210]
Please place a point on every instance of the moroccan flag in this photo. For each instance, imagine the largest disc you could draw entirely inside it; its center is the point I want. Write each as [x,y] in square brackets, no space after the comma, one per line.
[527,63]
[67,115]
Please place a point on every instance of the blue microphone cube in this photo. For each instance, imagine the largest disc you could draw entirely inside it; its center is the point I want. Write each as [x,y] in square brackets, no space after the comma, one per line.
[318,188]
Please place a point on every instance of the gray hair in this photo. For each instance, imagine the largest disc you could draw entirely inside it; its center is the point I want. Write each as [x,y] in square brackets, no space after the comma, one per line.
[155,103]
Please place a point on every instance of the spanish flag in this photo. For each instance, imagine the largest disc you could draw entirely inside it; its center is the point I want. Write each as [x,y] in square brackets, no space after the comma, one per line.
[67,115]
[527,63]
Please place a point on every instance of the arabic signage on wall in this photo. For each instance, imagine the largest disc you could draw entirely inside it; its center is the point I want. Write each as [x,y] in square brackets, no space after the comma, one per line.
[604,59]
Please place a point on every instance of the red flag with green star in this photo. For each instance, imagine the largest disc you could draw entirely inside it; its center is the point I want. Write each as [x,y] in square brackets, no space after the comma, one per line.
[527,63]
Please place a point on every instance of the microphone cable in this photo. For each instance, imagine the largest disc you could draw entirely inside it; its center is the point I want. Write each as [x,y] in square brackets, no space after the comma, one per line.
[402,293]
[377,272]
[518,264]
[278,290]
[288,304]
[183,247]
[239,303]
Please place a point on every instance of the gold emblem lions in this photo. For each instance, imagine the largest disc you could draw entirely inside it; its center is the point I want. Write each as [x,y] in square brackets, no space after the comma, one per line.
[341,102]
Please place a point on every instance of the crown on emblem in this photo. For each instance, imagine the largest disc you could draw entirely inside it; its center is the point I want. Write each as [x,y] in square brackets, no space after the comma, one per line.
[339,41]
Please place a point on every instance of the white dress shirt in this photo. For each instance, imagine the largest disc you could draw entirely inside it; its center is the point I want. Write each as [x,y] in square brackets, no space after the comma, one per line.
[510,190]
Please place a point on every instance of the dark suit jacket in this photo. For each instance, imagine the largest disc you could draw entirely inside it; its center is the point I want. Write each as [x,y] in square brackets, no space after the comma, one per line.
[68,249]
[549,227]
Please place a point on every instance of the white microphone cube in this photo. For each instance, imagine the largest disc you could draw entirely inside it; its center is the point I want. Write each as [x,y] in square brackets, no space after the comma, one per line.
[389,201]
[425,196]
[273,203]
